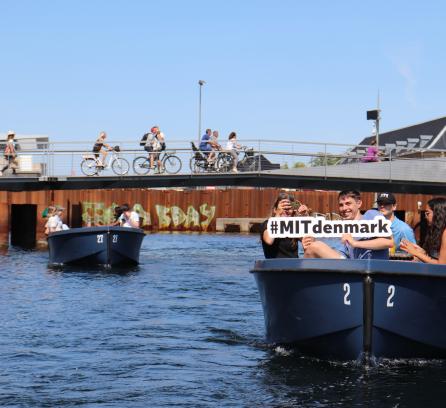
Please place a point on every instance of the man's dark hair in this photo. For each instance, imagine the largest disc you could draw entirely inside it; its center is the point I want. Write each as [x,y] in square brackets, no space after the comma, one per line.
[125,207]
[350,193]
[118,212]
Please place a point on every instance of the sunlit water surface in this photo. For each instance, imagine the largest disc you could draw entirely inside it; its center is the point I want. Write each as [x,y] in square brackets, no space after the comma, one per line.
[185,328]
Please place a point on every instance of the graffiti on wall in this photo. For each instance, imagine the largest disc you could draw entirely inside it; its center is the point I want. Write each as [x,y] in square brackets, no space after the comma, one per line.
[189,219]
[173,217]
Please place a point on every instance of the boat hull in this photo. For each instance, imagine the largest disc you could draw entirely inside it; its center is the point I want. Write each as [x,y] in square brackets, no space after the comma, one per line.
[107,246]
[348,309]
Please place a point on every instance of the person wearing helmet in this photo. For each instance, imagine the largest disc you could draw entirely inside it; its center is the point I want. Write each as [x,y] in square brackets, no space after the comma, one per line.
[154,142]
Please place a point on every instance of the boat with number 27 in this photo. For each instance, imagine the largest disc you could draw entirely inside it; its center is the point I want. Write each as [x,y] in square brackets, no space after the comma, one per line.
[107,246]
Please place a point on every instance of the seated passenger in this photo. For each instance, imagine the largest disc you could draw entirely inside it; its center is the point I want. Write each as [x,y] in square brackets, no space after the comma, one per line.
[205,144]
[349,209]
[434,248]
[49,213]
[55,222]
[282,247]
[387,205]
[117,215]
[129,218]
[215,146]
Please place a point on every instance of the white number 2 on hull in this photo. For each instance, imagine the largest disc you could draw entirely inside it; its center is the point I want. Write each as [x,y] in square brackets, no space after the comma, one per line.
[391,292]
[347,294]
[115,238]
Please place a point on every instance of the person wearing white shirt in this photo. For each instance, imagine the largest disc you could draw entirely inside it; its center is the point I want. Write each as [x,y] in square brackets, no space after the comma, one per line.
[232,146]
[55,222]
[128,218]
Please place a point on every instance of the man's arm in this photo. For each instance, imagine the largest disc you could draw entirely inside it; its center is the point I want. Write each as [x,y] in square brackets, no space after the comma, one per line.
[372,244]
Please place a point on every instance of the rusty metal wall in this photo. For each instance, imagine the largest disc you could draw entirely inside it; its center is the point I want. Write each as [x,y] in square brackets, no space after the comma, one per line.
[194,209]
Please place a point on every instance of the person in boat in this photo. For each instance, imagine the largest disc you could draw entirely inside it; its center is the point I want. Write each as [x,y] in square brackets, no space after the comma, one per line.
[117,215]
[55,222]
[386,203]
[349,209]
[129,218]
[434,248]
[284,206]
[50,211]
[101,148]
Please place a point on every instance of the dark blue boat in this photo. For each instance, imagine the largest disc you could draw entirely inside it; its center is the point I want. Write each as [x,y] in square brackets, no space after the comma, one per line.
[106,246]
[354,309]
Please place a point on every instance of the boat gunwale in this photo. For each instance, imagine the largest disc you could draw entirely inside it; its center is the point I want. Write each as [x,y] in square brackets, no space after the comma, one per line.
[360,267]
[82,230]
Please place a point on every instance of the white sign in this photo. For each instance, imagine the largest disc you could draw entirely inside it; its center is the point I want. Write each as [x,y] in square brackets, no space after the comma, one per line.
[298,227]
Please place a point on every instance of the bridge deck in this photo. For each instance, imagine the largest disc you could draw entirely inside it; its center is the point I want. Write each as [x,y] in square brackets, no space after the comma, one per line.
[405,176]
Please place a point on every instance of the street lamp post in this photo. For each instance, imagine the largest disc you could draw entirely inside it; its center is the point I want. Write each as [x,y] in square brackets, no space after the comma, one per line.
[200,83]
[375,115]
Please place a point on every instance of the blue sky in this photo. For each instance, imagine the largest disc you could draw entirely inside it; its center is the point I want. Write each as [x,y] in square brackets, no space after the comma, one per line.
[290,70]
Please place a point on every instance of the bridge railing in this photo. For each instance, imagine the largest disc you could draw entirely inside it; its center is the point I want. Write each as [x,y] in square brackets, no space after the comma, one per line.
[62,159]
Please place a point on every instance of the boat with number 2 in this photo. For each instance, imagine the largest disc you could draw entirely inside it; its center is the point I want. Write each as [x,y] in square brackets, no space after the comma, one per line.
[354,309]
[107,246]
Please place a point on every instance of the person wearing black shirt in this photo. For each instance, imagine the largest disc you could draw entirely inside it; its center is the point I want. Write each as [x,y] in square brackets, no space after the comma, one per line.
[282,247]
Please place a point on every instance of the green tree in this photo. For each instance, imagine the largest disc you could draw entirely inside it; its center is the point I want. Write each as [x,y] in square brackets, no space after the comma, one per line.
[320,160]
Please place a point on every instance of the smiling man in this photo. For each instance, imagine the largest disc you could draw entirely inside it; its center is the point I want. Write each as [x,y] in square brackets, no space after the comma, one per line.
[350,202]
[386,203]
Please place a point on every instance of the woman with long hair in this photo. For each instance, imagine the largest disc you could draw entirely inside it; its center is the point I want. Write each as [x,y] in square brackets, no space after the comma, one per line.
[284,206]
[434,247]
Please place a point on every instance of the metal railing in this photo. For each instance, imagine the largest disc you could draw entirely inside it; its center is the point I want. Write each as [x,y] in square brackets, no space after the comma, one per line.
[62,159]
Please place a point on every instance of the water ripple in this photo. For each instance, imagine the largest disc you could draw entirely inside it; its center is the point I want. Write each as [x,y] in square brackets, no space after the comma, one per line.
[184,328]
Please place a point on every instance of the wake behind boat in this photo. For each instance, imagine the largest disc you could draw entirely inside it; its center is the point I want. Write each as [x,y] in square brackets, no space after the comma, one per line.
[350,309]
[106,245]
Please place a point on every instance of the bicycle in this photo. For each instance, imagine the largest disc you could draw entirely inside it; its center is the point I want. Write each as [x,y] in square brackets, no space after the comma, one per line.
[199,162]
[170,163]
[247,163]
[91,165]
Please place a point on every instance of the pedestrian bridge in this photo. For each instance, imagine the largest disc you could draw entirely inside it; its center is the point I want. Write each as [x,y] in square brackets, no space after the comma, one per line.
[273,164]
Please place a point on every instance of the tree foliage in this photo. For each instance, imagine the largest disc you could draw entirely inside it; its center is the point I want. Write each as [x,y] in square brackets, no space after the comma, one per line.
[321,160]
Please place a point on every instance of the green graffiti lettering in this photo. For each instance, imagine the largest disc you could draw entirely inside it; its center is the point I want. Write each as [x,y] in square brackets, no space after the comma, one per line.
[163,216]
[192,218]
[143,215]
[178,216]
[208,213]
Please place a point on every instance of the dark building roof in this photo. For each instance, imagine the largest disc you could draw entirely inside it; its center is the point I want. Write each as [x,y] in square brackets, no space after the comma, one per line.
[425,135]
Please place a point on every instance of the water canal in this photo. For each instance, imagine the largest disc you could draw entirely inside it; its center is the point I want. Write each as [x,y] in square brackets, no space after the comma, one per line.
[185,328]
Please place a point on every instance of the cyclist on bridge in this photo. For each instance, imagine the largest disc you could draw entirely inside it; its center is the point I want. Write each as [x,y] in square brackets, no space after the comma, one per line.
[154,143]
[101,147]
